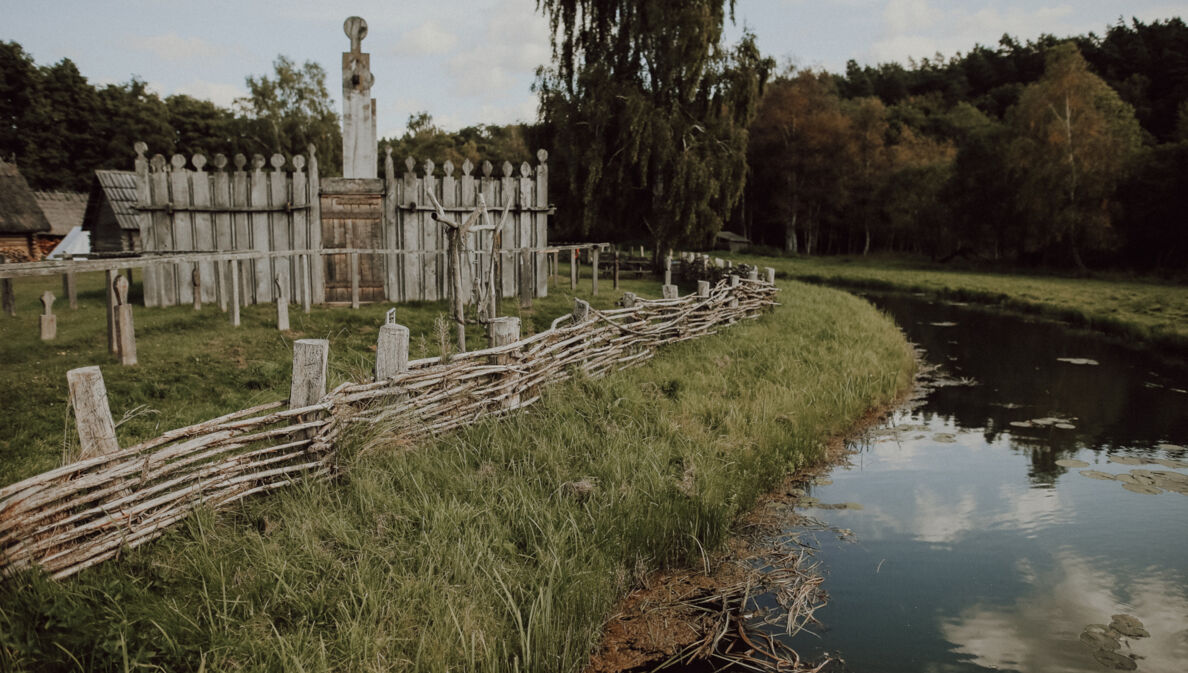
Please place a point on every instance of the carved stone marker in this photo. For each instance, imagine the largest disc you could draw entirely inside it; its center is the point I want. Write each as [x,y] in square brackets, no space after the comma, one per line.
[360,152]
[125,332]
[88,397]
[49,321]
[391,351]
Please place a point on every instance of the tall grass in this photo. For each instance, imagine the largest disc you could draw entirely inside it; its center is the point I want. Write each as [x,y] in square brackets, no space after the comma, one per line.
[479,551]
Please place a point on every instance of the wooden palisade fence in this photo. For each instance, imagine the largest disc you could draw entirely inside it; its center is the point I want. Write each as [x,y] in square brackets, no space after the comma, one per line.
[85,512]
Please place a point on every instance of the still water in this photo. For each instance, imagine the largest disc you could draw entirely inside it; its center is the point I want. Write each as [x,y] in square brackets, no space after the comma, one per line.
[975,549]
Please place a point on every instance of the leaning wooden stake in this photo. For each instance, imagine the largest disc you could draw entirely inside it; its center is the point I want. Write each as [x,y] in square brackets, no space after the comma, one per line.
[88,397]
[49,321]
[309,372]
[391,351]
[125,331]
[113,346]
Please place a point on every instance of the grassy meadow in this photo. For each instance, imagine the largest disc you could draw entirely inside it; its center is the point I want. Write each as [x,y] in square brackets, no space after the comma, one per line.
[501,547]
[1146,311]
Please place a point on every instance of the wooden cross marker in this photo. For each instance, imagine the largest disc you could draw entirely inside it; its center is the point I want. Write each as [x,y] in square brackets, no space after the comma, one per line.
[49,321]
[125,332]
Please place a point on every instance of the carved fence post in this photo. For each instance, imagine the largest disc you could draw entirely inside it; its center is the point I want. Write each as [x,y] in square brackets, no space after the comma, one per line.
[391,351]
[92,416]
[125,332]
[70,289]
[282,305]
[309,372]
[49,321]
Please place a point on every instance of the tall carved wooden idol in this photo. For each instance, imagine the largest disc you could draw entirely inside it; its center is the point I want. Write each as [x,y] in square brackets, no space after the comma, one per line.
[360,153]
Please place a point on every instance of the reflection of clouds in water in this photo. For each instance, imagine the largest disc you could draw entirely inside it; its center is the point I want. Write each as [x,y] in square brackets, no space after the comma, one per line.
[1041,630]
[939,517]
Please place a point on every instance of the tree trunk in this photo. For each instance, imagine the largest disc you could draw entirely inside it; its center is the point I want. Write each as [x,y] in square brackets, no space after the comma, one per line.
[866,247]
[790,244]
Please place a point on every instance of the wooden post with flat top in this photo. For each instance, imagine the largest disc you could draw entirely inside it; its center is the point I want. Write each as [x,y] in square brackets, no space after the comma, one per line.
[92,416]
[49,321]
[309,372]
[391,350]
[125,332]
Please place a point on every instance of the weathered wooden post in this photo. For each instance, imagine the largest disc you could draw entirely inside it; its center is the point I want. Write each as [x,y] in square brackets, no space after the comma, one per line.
[70,289]
[8,298]
[753,274]
[391,351]
[282,305]
[629,300]
[556,268]
[234,292]
[770,276]
[501,332]
[354,280]
[615,284]
[309,372]
[668,269]
[125,332]
[703,288]
[734,283]
[594,268]
[109,277]
[303,279]
[581,311]
[49,321]
[92,416]
[196,279]
[670,291]
[719,262]
[526,288]
[573,271]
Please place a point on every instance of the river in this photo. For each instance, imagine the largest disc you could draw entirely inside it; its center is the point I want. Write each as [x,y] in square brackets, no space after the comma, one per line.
[981,544]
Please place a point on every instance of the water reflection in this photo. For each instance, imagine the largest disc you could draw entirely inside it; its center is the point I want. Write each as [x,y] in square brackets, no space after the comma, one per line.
[1040,630]
[977,550]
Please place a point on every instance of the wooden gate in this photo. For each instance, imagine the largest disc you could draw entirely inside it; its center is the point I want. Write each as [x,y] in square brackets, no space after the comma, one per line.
[352,214]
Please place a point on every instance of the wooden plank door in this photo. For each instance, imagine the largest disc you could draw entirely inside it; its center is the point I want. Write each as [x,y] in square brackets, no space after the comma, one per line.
[352,217]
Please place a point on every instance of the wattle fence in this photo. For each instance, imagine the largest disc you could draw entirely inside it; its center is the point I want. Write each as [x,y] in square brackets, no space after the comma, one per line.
[86,512]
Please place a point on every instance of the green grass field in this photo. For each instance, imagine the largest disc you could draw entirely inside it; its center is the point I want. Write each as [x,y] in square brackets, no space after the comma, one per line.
[471,552]
[1140,311]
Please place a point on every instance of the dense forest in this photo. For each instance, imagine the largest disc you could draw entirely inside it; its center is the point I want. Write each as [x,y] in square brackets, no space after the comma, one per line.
[1056,152]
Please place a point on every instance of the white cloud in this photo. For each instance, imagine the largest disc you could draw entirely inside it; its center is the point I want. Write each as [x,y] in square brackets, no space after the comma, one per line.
[515,41]
[427,38]
[174,47]
[219,93]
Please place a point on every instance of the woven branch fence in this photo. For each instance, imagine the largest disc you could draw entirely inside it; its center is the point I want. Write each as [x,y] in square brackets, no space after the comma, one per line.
[86,512]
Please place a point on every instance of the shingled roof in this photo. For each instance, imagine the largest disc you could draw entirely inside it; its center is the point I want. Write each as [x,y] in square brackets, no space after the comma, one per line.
[64,210]
[119,187]
[19,213]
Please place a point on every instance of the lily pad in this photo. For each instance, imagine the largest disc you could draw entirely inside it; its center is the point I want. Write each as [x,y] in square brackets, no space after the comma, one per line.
[1128,625]
[1115,661]
[1079,361]
[943,324]
[1172,447]
[1065,426]
[1021,424]
[944,437]
[1168,462]
[1071,462]
[1094,474]
[1099,640]
[1126,460]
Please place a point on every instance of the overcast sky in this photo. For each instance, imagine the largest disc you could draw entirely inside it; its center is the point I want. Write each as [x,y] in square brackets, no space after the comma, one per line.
[474,62]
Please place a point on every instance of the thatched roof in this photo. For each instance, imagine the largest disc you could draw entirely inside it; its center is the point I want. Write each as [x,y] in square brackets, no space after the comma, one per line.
[119,188]
[64,210]
[19,213]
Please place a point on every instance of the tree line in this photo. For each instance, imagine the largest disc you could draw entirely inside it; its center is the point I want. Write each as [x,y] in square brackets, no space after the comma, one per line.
[1050,152]
[1053,151]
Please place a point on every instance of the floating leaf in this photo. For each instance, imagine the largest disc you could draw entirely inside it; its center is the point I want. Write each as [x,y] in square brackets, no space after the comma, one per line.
[1094,474]
[1114,660]
[1022,424]
[1126,460]
[1079,361]
[1128,625]
[1069,462]
[944,438]
[1142,488]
